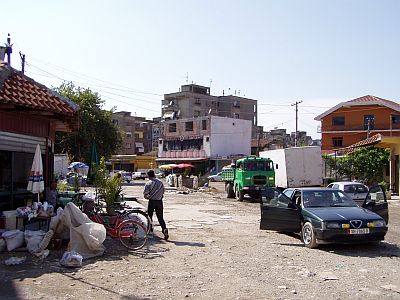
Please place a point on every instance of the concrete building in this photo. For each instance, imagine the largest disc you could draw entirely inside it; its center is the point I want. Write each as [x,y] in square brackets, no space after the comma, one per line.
[137,133]
[209,142]
[194,101]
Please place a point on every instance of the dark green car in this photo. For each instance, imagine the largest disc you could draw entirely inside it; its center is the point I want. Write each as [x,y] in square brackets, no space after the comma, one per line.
[325,215]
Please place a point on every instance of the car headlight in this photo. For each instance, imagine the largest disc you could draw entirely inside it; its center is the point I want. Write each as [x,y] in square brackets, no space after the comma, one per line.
[376,223]
[248,178]
[332,225]
[271,178]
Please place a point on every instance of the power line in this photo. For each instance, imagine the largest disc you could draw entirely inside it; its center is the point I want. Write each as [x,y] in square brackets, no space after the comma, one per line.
[124,88]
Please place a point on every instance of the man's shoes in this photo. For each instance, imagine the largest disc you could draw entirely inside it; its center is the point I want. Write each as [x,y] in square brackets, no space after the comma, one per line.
[166,235]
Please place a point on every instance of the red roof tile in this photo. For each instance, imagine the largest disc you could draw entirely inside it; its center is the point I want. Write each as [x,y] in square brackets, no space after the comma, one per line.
[24,91]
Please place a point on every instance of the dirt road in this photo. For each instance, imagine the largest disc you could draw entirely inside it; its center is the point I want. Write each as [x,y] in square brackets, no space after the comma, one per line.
[216,251]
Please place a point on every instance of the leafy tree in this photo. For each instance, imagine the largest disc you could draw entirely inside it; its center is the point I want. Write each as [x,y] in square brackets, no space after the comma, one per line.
[366,163]
[95,126]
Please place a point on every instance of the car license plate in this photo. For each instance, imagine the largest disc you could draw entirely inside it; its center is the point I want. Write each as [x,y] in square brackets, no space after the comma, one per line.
[359,231]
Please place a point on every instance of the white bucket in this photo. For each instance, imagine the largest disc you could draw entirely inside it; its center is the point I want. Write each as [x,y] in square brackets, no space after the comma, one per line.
[10,219]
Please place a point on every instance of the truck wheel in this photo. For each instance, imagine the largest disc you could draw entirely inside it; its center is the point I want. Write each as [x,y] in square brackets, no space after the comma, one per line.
[239,195]
[229,190]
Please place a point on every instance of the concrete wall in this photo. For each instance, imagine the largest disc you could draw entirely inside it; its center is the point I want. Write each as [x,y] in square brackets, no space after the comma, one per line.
[229,136]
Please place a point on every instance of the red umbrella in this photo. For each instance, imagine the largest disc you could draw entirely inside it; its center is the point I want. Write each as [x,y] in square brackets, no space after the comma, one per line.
[181,166]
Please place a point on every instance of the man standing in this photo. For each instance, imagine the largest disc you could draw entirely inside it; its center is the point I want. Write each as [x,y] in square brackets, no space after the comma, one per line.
[154,192]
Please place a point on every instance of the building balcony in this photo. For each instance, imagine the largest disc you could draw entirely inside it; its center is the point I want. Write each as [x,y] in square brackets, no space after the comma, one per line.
[189,153]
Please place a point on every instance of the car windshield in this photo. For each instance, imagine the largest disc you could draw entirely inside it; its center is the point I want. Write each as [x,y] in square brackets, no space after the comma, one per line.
[327,198]
[253,165]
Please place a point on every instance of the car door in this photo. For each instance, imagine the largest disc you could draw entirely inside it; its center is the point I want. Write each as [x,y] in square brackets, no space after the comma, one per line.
[376,201]
[278,212]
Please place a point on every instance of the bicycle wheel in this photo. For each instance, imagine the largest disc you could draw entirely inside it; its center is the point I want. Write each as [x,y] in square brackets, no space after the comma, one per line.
[132,234]
[141,217]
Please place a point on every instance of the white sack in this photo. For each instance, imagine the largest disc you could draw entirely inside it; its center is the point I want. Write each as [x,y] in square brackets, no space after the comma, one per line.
[86,237]
[14,239]
[33,239]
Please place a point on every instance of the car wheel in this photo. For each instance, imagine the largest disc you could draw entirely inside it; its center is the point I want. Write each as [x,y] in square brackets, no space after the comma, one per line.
[239,194]
[308,235]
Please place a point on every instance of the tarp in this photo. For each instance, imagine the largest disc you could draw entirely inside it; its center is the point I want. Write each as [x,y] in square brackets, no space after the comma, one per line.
[36,182]
[86,237]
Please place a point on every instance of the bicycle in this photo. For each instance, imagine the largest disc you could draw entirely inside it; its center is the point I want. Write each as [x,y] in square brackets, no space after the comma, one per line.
[131,233]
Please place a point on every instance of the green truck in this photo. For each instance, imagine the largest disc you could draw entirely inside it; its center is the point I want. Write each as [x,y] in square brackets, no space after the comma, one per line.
[248,176]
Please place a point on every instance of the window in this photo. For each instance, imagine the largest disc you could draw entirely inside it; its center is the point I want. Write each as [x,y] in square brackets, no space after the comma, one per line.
[338,121]
[204,125]
[172,127]
[128,134]
[236,116]
[395,119]
[207,139]
[189,126]
[196,113]
[337,142]
[368,122]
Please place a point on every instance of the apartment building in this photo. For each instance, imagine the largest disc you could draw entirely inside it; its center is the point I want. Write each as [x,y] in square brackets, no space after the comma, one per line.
[137,133]
[194,101]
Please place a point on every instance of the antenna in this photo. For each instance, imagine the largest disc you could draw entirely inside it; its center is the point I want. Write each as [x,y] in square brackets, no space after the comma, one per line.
[22,62]
[210,85]
[187,77]
[9,49]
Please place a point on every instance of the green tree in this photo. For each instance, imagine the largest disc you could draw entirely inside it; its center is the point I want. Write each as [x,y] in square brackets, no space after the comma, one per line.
[95,126]
[366,163]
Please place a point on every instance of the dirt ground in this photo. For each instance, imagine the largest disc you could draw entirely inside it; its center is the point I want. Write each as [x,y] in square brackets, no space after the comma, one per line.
[216,251]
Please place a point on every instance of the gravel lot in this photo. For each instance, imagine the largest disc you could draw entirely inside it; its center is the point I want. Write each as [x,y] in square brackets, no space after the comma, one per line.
[216,251]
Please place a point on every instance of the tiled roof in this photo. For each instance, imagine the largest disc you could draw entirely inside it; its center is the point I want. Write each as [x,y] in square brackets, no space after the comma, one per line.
[365,100]
[23,91]
[375,139]
[368,99]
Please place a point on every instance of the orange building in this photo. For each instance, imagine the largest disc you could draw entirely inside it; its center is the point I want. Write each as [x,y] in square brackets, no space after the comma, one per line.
[353,121]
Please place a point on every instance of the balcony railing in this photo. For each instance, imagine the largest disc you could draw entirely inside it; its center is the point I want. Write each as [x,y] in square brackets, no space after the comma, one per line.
[359,127]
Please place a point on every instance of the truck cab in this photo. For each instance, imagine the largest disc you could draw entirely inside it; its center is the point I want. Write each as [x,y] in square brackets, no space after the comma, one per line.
[248,176]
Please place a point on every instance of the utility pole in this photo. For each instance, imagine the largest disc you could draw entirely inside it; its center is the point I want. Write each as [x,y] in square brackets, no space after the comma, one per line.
[295,135]
[368,128]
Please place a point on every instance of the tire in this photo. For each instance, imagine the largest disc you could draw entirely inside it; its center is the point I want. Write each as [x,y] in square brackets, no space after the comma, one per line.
[229,190]
[239,194]
[141,217]
[308,236]
[132,234]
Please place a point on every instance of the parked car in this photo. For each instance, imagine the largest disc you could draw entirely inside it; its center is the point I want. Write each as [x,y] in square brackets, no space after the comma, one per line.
[215,177]
[126,176]
[139,175]
[356,190]
[325,215]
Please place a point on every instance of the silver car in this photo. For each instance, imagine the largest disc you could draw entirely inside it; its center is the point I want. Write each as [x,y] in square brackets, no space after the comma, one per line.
[356,190]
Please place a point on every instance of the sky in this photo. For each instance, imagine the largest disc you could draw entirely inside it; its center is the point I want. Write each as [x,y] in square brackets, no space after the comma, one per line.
[277,52]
